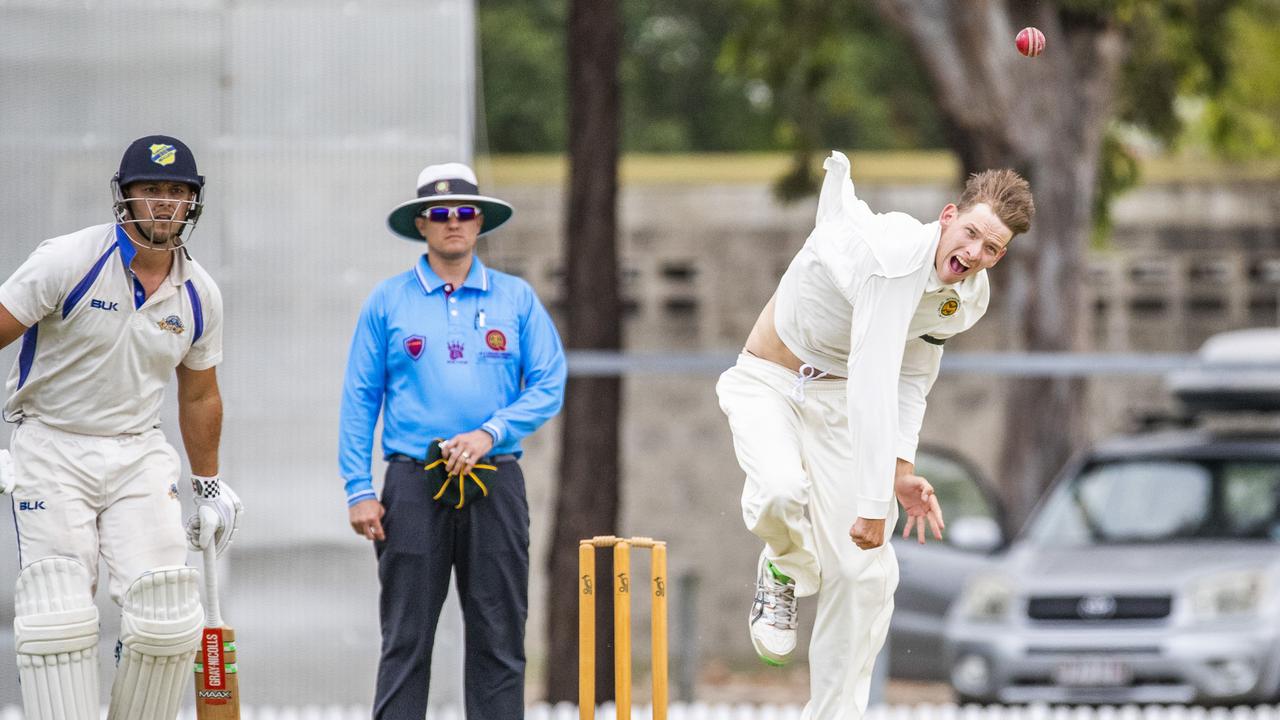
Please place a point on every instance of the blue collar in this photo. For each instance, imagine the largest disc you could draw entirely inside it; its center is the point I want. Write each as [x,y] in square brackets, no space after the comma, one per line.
[477,277]
[127,250]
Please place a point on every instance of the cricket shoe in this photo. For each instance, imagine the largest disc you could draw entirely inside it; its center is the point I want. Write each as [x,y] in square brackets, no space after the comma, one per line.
[773,615]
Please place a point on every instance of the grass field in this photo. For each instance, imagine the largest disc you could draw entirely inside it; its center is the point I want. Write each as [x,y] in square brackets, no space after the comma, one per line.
[872,167]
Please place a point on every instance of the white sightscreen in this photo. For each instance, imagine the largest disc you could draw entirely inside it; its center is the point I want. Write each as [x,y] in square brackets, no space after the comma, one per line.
[310,119]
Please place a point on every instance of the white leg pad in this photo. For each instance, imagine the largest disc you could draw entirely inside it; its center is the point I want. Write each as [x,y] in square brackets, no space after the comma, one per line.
[55,631]
[159,632]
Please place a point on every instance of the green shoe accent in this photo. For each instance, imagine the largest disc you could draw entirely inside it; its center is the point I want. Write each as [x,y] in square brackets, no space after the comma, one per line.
[777,574]
[771,663]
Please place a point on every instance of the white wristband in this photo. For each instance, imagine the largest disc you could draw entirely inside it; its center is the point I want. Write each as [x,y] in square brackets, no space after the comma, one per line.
[206,488]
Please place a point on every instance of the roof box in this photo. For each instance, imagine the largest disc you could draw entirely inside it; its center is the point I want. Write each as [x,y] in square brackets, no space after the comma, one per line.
[1234,371]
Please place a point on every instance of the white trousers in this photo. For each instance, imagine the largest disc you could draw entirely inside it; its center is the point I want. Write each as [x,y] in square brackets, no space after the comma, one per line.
[799,499]
[85,496]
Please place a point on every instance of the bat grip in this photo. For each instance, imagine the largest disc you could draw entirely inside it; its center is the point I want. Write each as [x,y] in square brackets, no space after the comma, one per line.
[212,610]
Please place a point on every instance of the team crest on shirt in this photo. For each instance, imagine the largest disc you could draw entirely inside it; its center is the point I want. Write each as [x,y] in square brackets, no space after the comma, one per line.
[496,340]
[163,154]
[949,307]
[455,351]
[173,491]
[172,324]
[414,345]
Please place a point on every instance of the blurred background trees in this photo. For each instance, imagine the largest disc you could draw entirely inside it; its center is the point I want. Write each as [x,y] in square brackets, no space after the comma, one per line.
[1119,79]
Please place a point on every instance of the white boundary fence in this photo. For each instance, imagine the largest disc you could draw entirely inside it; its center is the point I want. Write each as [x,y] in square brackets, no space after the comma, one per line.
[726,711]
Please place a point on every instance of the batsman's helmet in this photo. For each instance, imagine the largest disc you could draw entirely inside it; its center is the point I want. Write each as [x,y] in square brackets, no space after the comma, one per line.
[157,158]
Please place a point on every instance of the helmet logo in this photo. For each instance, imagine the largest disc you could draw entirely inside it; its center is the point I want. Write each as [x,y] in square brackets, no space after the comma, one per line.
[163,154]
[442,186]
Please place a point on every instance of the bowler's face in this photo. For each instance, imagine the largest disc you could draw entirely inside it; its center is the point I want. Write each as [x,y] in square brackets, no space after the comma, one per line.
[971,242]
[453,239]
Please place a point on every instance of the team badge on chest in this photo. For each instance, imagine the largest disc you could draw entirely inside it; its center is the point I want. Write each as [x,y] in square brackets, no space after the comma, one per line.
[496,340]
[414,345]
[949,307]
[456,354]
[172,324]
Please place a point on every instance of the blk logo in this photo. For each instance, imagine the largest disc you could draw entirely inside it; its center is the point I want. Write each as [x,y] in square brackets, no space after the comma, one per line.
[31,505]
[104,305]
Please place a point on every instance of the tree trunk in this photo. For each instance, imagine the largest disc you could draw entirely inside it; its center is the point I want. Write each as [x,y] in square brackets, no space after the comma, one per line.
[587,501]
[1046,118]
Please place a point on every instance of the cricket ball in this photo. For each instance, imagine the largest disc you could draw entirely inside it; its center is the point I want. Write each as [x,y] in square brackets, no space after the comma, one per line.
[1030,41]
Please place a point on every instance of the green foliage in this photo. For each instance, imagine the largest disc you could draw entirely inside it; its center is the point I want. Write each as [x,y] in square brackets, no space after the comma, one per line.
[523,84]
[703,77]
[834,75]
[1242,119]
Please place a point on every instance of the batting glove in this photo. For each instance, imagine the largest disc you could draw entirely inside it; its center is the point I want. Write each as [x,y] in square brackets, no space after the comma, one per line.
[213,493]
[8,475]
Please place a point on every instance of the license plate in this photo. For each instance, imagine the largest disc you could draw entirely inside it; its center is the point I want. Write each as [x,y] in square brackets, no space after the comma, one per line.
[1092,672]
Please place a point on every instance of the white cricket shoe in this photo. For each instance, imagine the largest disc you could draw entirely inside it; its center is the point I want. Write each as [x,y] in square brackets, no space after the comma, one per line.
[773,616]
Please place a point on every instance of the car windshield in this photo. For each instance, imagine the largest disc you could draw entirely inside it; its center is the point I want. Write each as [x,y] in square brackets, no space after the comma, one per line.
[1147,501]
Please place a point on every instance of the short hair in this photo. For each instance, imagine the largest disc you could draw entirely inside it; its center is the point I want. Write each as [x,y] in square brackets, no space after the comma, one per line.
[1006,192]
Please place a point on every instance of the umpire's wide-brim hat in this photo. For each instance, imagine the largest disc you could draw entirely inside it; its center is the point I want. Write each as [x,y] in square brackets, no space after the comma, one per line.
[447,182]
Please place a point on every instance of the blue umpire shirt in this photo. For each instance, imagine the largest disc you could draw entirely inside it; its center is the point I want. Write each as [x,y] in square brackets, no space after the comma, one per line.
[485,356]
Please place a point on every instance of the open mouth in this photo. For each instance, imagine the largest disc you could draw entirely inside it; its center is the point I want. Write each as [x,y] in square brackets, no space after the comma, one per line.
[957,267]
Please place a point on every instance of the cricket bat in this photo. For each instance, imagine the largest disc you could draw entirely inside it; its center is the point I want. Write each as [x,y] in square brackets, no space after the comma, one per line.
[217,683]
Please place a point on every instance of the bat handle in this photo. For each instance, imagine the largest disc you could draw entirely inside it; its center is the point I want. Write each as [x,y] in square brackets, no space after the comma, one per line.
[212,610]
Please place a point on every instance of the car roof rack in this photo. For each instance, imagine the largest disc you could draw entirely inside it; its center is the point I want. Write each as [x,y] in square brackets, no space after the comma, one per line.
[1235,372]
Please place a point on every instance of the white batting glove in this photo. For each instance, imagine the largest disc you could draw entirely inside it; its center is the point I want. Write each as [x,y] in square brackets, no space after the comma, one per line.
[8,475]
[213,493]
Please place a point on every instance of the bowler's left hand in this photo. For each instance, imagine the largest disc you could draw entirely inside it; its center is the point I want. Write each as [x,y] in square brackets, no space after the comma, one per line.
[463,451]
[917,498]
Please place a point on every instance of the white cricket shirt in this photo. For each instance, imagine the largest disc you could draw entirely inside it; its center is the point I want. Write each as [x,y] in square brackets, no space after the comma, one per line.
[96,358]
[862,300]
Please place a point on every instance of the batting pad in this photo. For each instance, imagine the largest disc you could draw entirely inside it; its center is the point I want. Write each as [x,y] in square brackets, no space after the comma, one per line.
[55,631]
[159,632]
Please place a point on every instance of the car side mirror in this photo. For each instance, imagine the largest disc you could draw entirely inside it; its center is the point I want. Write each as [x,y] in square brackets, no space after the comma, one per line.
[975,534]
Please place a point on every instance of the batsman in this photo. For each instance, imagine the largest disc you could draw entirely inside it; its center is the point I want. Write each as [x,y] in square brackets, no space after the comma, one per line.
[825,405]
[107,315]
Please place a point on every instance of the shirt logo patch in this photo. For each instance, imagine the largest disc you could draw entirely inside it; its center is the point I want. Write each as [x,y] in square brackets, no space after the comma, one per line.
[949,307]
[414,345]
[496,340]
[31,505]
[163,154]
[172,324]
[104,305]
[455,351]
[173,491]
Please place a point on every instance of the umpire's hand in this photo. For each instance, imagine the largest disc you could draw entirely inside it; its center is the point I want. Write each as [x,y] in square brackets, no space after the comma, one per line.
[366,519]
[463,451]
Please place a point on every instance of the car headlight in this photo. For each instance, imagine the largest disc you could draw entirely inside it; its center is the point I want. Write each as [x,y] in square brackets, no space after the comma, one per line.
[1227,595]
[986,597]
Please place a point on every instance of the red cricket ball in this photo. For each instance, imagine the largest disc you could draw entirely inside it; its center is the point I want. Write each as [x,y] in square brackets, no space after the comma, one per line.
[1030,41]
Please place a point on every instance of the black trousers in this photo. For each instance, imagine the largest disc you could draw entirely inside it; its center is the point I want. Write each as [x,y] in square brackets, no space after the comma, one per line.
[487,543]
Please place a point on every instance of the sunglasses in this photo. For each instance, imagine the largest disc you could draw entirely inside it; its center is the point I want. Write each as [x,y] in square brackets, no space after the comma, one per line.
[441,213]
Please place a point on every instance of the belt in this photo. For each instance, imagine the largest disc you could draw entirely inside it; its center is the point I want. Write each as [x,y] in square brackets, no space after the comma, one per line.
[486,460]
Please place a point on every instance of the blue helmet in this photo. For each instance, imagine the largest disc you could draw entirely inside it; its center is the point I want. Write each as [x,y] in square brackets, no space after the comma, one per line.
[157,158]
[161,158]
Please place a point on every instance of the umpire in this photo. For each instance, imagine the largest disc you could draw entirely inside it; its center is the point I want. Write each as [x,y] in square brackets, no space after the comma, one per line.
[464,361]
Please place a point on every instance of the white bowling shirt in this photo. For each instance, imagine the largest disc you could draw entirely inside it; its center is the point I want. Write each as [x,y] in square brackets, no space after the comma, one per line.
[96,358]
[862,300]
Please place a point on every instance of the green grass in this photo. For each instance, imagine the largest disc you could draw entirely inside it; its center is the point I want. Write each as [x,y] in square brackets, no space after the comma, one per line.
[934,166]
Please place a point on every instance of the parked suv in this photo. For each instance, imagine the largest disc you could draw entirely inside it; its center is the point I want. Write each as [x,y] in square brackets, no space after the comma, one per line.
[1149,574]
